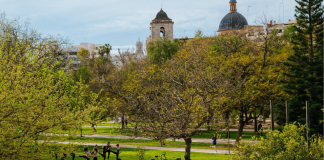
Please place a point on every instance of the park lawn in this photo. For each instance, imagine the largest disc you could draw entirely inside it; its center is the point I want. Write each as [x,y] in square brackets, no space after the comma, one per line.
[139,142]
[111,124]
[129,132]
[209,134]
[130,154]
[100,131]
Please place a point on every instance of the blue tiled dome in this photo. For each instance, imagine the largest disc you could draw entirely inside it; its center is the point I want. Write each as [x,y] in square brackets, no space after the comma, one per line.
[232,1]
[232,20]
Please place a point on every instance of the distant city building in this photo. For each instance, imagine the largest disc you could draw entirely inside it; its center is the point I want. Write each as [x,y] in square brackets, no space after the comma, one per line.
[280,27]
[139,47]
[93,48]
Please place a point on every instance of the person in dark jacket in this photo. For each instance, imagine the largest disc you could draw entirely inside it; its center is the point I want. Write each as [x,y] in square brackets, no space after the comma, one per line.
[260,129]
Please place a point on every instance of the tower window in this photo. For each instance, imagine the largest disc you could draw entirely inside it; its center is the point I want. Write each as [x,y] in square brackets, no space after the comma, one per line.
[162,32]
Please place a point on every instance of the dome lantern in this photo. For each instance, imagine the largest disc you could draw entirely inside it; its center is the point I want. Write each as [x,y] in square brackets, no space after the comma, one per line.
[233,6]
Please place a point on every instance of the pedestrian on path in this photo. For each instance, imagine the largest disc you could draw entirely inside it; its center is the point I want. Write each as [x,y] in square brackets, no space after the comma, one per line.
[260,129]
[214,138]
[87,152]
[118,151]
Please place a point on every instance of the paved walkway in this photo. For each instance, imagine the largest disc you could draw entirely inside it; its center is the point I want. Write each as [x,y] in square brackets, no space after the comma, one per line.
[200,140]
[147,147]
[202,129]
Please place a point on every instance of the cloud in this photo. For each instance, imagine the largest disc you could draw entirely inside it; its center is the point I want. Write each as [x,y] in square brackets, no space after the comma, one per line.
[121,22]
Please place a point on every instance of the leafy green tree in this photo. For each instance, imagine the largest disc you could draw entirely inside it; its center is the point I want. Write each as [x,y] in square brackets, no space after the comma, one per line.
[34,98]
[304,79]
[289,144]
[175,98]
[199,34]
[161,50]
[105,49]
[82,74]
[83,54]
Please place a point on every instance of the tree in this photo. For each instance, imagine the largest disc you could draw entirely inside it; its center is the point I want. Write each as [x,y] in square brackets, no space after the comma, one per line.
[105,49]
[289,144]
[83,54]
[176,98]
[18,38]
[258,82]
[303,81]
[35,98]
[198,34]
[161,50]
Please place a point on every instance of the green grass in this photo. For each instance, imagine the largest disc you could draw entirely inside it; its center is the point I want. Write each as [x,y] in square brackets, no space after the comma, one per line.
[130,154]
[139,142]
[209,134]
[129,132]
[111,124]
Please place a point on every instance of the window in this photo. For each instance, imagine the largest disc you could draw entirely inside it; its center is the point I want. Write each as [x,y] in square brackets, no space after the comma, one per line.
[162,32]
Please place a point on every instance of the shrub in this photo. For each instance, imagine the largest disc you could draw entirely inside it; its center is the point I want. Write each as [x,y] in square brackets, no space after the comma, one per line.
[288,144]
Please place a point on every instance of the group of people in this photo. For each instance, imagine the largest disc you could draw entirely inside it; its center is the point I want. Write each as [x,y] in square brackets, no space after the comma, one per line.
[96,151]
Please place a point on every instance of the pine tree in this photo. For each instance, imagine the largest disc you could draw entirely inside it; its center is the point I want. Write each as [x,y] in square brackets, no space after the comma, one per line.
[304,79]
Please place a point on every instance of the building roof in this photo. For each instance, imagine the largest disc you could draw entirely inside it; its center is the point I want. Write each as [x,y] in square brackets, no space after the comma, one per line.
[161,15]
[233,1]
[232,20]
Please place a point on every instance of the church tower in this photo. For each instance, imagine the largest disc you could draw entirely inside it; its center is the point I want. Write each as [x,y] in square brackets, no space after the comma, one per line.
[161,26]
[139,47]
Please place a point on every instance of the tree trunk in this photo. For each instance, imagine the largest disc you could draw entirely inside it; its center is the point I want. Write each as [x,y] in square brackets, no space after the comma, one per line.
[81,130]
[135,129]
[161,142]
[208,126]
[240,130]
[188,148]
[93,128]
[123,120]
[255,125]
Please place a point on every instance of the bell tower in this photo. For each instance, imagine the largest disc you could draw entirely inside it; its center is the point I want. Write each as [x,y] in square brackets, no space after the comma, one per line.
[161,26]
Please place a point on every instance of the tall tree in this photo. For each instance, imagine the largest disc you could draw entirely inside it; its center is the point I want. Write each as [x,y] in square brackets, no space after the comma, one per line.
[161,50]
[176,98]
[34,98]
[304,79]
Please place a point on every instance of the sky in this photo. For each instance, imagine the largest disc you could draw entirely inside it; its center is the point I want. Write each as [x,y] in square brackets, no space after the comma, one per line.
[122,22]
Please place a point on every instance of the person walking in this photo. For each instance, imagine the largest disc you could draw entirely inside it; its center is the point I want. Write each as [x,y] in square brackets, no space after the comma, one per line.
[118,151]
[260,129]
[214,138]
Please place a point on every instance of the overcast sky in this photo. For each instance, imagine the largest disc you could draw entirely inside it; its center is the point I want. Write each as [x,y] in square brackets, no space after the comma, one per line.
[122,22]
